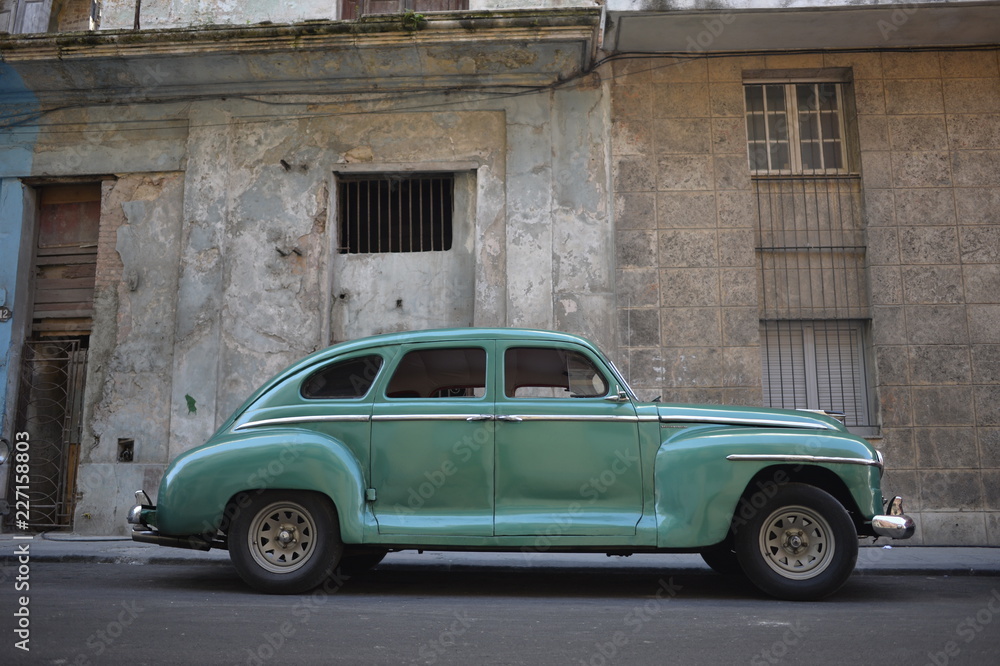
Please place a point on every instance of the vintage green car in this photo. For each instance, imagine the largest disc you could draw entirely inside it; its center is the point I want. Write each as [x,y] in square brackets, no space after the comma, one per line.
[514,440]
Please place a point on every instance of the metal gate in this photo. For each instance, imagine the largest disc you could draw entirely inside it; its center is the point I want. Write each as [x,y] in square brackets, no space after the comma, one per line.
[50,399]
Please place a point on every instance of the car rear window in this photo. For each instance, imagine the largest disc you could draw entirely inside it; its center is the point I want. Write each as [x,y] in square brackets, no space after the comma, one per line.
[343,379]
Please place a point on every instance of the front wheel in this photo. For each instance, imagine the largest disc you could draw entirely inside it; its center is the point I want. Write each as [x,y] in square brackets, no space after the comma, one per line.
[801,544]
[285,542]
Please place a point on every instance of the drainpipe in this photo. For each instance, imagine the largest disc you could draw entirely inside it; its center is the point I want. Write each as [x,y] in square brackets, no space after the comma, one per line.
[138,6]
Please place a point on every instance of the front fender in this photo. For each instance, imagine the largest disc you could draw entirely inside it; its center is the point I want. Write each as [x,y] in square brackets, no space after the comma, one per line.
[198,484]
[698,490]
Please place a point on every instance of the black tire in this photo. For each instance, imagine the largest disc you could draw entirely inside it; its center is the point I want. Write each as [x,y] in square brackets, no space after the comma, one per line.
[801,545]
[285,541]
[355,562]
[722,558]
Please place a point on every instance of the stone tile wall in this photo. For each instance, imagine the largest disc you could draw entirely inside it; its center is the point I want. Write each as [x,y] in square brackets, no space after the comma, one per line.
[685,263]
[929,143]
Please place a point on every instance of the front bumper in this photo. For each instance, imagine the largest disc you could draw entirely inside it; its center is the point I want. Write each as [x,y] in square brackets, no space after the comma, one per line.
[895,524]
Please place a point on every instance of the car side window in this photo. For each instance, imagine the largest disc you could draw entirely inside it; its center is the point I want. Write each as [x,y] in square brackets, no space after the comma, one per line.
[440,373]
[545,372]
[343,380]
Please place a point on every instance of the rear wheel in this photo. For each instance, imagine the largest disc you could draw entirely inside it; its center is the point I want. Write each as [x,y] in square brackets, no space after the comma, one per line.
[285,542]
[801,544]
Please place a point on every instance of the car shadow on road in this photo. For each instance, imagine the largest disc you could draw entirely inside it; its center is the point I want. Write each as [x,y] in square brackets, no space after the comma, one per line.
[435,581]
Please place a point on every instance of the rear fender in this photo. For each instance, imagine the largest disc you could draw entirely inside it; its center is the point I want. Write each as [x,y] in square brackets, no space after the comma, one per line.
[198,485]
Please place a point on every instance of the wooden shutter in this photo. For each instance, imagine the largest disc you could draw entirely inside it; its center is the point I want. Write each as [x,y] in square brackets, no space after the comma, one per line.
[66,259]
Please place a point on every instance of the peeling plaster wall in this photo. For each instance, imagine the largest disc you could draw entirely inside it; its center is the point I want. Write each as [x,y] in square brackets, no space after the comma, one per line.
[195,306]
[120,14]
[131,357]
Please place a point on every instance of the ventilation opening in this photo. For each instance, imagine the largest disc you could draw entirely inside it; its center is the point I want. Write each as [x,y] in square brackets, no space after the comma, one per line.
[396,213]
[126,450]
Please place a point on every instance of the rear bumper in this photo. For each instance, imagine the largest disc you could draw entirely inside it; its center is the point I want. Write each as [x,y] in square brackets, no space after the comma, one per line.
[193,542]
[142,518]
[895,524]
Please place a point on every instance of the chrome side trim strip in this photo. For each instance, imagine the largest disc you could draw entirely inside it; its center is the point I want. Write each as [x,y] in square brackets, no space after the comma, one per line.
[513,418]
[575,417]
[427,417]
[727,420]
[285,420]
[436,417]
[799,459]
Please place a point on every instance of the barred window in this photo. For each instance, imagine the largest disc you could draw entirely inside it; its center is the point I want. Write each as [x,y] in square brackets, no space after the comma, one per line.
[796,128]
[395,212]
[814,307]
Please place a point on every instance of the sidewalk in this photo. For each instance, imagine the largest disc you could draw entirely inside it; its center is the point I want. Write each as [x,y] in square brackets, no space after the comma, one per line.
[872,560]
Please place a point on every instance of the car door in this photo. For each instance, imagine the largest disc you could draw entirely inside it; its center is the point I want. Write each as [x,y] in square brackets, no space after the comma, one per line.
[432,442]
[567,450]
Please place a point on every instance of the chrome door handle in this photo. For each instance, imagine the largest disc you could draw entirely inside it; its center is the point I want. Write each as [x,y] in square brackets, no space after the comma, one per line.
[480,417]
[512,419]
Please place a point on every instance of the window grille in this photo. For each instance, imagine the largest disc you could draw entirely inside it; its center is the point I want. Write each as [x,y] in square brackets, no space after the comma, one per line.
[396,213]
[814,304]
[811,248]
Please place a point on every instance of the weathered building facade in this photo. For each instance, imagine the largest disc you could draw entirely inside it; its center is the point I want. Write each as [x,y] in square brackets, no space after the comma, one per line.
[743,202]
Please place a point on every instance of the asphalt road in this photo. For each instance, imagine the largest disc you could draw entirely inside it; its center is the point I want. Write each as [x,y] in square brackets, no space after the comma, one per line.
[83,613]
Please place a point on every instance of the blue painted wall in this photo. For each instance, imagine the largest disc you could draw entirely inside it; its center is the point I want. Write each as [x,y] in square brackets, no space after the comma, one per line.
[18,134]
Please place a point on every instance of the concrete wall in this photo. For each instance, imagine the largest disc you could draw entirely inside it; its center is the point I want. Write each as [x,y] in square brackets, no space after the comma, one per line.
[929,130]
[195,306]
[120,14]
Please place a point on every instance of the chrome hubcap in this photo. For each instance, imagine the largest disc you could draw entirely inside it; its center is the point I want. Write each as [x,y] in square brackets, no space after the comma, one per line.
[796,542]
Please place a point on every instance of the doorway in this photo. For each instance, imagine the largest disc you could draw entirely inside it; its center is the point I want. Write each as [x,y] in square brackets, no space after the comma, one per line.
[54,357]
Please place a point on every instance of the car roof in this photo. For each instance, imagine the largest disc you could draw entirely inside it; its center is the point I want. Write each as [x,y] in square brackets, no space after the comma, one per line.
[468,334]
[456,334]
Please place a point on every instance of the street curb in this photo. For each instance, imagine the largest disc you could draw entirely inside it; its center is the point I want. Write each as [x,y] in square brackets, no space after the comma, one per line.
[501,567]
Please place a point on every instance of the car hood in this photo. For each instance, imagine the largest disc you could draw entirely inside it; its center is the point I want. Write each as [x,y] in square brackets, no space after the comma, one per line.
[746,416]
